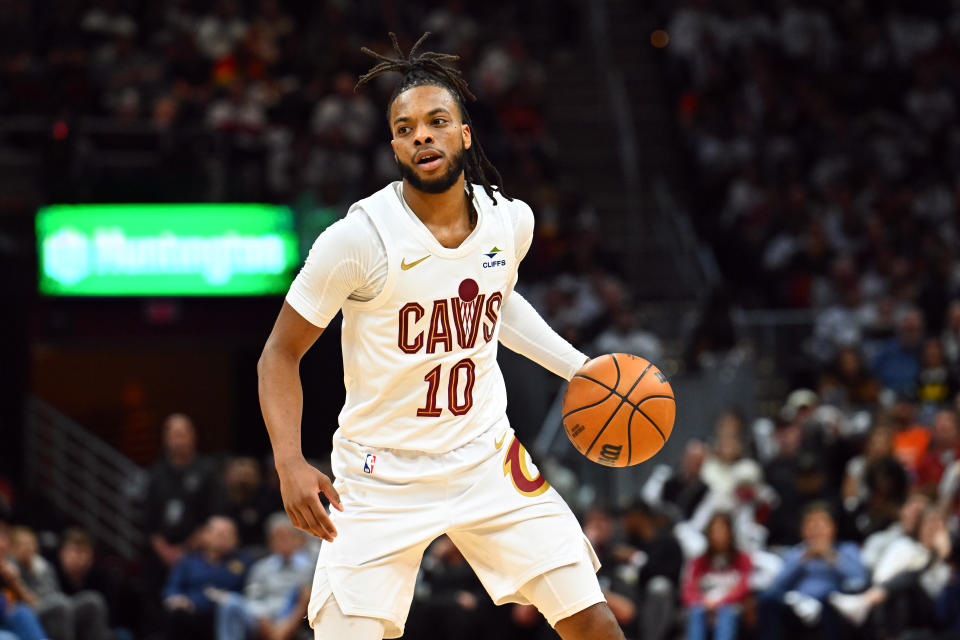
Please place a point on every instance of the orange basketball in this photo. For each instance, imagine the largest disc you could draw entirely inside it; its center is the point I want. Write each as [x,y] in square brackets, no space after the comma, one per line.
[619,410]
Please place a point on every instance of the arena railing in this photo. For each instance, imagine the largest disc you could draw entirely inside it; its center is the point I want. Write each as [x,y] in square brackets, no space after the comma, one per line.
[88,481]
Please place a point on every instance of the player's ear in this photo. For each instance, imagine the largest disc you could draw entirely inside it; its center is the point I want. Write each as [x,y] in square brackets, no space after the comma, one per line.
[467,136]
[393,146]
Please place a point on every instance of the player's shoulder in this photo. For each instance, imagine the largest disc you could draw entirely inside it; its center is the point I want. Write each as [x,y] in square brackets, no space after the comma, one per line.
[518,211]
[352,233]
[379,201]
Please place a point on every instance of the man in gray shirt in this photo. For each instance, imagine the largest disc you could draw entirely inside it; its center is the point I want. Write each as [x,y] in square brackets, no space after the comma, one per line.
[275,590]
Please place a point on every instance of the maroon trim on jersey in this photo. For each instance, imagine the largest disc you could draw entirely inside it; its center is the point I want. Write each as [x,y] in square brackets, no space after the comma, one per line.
[405,345]
[493,314]
[439,327]
[470,367]
[467,341]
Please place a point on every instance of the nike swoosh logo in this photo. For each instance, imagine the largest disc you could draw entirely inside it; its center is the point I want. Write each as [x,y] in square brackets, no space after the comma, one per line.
[410,265]
[500,444]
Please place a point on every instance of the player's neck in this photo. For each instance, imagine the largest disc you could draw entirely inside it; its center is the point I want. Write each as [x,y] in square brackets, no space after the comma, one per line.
[447,210]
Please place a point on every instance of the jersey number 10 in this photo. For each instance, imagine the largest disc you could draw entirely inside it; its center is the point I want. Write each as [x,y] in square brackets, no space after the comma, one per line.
[454,403]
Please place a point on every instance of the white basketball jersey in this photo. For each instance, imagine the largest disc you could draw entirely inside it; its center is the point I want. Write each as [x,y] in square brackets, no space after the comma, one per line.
[420,359]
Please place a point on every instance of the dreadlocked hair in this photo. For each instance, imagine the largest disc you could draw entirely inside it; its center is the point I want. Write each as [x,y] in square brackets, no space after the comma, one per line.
[431,69]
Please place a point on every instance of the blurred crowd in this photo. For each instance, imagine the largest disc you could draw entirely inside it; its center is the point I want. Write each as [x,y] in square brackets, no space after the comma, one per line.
[824,147]
[273,80]
[832,518]
[826,155]
[825,152]
[253,100]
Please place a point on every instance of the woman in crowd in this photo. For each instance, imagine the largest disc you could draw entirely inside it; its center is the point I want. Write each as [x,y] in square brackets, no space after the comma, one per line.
[716,584]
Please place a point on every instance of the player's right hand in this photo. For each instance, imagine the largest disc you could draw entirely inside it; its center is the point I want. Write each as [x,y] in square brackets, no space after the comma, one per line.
[300,487]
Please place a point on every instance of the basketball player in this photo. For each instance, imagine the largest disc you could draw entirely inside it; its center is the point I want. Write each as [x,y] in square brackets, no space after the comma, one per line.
[424,271]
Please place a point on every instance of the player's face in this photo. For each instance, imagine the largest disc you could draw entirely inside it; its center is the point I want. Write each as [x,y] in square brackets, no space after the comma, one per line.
[429,138]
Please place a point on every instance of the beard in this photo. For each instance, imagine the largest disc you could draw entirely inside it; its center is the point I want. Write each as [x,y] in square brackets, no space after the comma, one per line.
[434,185]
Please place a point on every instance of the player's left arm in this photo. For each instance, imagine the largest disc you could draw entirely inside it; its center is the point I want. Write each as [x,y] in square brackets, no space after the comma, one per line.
[523,329]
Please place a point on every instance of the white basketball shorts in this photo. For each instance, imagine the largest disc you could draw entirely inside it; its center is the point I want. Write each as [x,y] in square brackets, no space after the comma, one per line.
[487,496]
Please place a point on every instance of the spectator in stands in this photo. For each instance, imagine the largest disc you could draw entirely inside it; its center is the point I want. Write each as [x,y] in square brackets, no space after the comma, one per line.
[819,566]
[948,495]
[78,573]
[181,492]
[779,471]
[83,616]
[246,500]
[728,465]
[840,326]
[626,336]
[202,577]
[6,635]
[944,450]
[810,486]
[848,384]
[452,603]
[274,586]
[713,336]
[907,526]
[735,486]
[911,439]
[16,616]
[936,382]
[716,584]
[886,483]
[17,621]
[897,364]
[653,551]
[950,338]
[948,604]
[908,577]
[216,34]
[878,446]
[345,117]
[600,528]
[680,489]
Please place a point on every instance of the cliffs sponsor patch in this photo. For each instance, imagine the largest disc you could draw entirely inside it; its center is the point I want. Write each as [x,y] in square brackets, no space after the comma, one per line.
[493,259]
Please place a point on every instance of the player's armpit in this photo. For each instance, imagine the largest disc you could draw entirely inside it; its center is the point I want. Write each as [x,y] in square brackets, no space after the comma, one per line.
[292,334]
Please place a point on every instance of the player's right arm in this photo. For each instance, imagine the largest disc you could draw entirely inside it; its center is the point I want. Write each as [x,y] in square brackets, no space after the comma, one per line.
[281,401]
[343,262]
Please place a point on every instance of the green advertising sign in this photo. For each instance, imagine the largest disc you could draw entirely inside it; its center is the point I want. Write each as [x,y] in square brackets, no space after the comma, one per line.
[166,249]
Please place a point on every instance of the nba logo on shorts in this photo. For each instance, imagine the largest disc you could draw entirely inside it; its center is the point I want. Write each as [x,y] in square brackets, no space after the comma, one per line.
[368,463]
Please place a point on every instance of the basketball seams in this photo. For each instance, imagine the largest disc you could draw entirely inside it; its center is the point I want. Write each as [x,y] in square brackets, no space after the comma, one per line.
[613,415]
[623,399]
[625,402]
[651,397]
[590,406]
[580,375]
[650,420]
[617,366]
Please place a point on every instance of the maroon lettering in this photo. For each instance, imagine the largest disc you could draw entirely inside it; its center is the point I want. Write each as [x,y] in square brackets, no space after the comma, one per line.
[466,339]
[439,327]
[493,314]
[403,339]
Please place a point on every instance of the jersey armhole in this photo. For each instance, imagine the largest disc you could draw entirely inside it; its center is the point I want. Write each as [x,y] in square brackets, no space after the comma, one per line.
[388,285]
